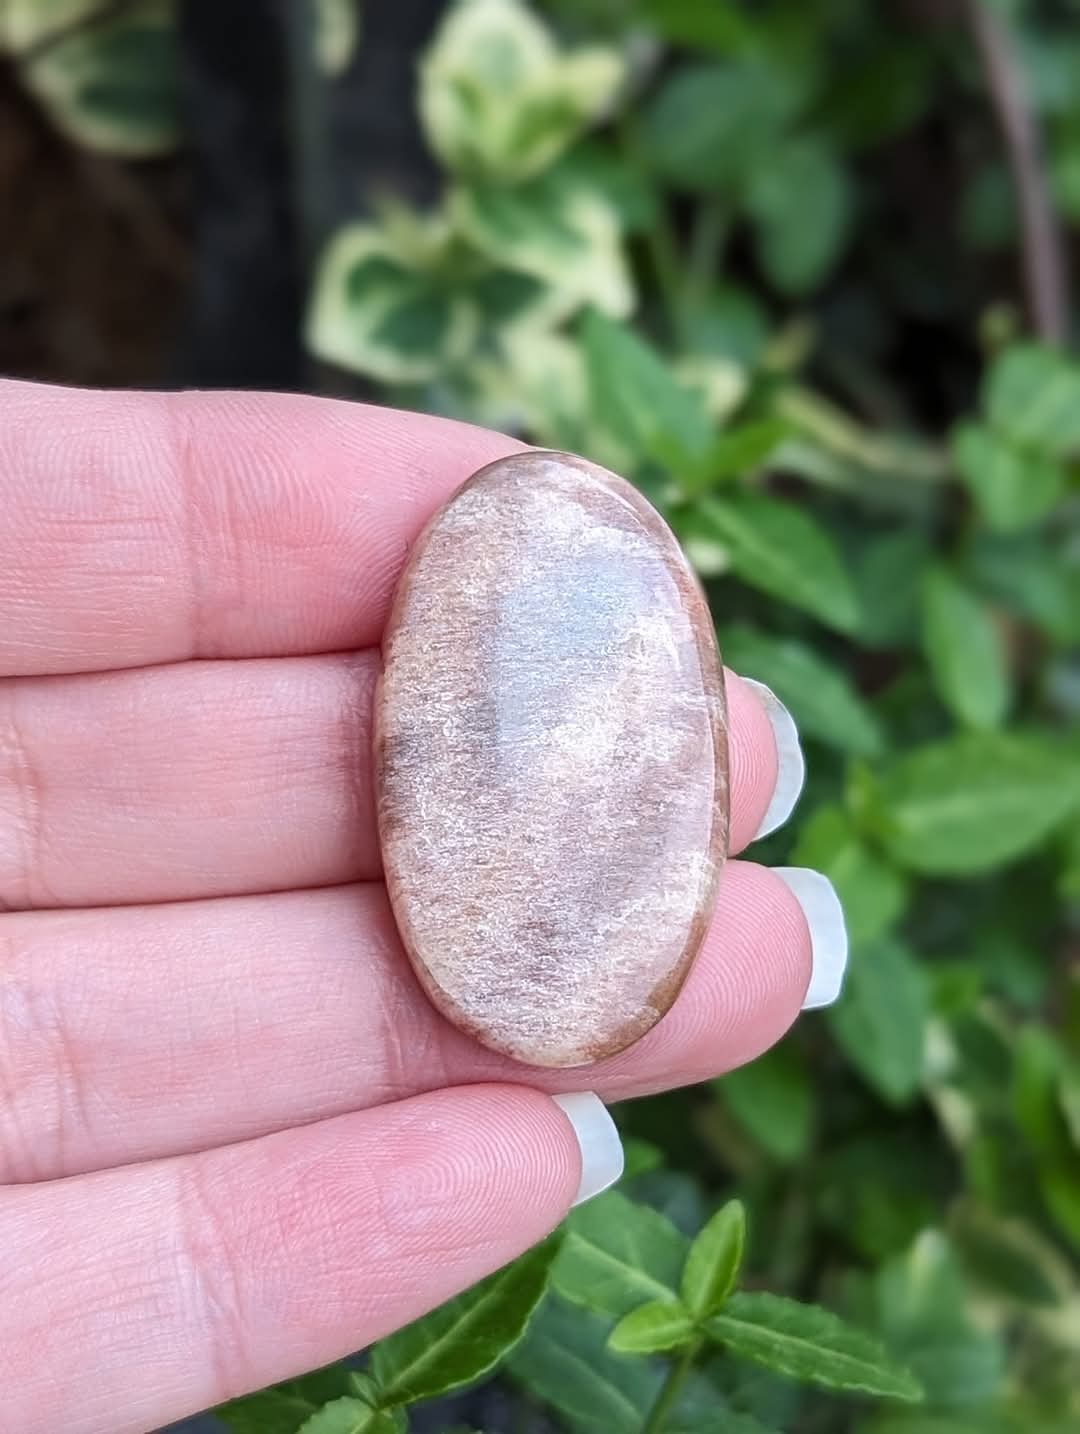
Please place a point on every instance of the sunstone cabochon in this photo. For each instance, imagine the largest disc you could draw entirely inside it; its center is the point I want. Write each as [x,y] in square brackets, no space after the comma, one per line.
[551,761]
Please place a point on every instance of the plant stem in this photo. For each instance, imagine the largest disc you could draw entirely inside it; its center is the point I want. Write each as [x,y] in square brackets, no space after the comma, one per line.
[670,1389]
[660,241]
[666,262]
[1042,249]
[706,240]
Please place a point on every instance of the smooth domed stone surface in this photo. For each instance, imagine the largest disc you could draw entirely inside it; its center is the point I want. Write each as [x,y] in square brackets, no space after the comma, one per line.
[551,761]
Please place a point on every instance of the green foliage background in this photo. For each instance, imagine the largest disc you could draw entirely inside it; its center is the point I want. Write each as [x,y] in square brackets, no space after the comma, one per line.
[683,238]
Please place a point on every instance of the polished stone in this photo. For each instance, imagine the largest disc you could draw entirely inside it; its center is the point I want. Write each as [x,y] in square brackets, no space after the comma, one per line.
[551,761]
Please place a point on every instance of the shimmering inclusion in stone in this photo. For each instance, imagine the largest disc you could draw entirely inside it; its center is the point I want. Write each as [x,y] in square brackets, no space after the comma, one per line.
[551,761]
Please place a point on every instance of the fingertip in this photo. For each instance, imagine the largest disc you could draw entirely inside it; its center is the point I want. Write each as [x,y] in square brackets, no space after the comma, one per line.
[598,1142]
[744,991]
[753,760]
[790,762]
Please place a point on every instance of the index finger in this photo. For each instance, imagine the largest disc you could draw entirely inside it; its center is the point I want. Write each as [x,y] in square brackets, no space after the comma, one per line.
[153,527]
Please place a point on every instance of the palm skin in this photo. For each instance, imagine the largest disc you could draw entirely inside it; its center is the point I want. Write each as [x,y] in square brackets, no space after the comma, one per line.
[236,1141]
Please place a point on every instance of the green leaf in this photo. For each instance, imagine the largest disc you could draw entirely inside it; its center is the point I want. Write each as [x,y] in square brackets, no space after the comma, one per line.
[924,1312]
[887,573]
[564,1361]
[1032,395]
[880,1020]
[710,126]
[730,323]
[964,650]
[617,1254]
[498,100]
[818,694]
[742,449]
[349,1416]
[976,801]
[773,1100]
[1036,579]
[872,892]
[651,1328]
[782,550]
[712,1265]
[980,1422]
[809,1344]
[378,312]
[1011,1258]
[284,1407]
[635,396]
[1060,1186]
[639,1157]
[1038,1064]
[113,86]
[267,1412]
[553,230]
[599,167]
[465,1338]
[716,26]
[801,205]
[1012,487]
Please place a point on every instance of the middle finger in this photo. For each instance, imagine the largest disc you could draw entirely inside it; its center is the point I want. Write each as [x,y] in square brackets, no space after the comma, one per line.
[206,779]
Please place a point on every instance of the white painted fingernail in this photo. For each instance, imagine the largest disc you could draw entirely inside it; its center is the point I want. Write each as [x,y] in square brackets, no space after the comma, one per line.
[790,765]
[598,1140]
[817,896]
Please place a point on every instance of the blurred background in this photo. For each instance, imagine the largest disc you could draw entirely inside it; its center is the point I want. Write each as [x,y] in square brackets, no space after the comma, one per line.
[800,269]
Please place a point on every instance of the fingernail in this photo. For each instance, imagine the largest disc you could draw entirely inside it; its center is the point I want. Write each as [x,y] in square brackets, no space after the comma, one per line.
[598,1140]
[817,896]
[790,765]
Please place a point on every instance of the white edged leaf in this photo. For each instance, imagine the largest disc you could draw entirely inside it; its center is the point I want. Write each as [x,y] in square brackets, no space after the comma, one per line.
[554,231]
[373,313]
[498,100]
[114,85]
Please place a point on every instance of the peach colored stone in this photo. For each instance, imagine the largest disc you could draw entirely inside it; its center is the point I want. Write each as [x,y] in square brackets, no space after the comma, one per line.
[551,761]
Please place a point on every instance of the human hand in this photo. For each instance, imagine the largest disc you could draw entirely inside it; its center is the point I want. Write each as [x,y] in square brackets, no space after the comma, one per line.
[236,1141]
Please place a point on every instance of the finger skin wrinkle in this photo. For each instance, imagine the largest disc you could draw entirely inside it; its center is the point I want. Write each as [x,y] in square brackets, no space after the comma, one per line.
[180,455]
[148,528]
[270,1012]
[86,569]
[43,1093]
[21,808]
[213,1249]
[186,780]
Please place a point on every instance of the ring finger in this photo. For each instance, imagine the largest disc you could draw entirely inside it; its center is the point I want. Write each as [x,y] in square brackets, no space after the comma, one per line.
[266,1012]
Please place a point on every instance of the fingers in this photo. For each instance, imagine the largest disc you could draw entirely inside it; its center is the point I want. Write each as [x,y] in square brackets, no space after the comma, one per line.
[149,527]
[268,1011]
[162,1289]
[219,778]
